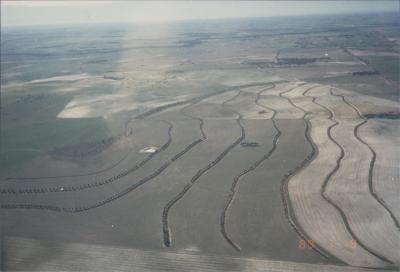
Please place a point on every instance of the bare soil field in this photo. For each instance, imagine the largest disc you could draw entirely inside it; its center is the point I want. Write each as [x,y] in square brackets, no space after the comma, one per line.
[378,133]
[213,146]
[78,255]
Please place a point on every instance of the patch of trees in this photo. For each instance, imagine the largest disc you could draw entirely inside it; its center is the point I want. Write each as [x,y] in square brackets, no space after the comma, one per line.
[383,115]
[249,144]
[300,61]
[96,61]
[113,77]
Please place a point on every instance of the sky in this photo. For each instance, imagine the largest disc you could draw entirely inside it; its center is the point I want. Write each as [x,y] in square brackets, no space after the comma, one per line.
[75,12]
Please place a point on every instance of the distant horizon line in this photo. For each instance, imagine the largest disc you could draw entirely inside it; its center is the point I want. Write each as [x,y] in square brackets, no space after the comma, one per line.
[157,22]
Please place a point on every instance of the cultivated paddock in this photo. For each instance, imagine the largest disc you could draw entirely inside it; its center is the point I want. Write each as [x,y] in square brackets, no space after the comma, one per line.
[236,174]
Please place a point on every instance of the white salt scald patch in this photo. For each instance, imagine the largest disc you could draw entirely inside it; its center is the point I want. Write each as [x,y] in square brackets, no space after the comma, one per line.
[95,105]
[86,106]
[61,78]
[191,248]
[76,112]
[150,149]
[85,80]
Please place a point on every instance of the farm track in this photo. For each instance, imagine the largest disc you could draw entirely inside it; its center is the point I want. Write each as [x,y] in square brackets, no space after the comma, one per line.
[330,174]
[180,195]
[372,162]
[237,178]
[288,209]
[57,189]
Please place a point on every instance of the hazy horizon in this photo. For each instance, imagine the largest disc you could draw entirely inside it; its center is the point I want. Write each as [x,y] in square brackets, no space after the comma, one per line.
[24,13]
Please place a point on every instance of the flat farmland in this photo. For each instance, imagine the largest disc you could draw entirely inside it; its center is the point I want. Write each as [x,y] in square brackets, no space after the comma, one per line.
[203,148]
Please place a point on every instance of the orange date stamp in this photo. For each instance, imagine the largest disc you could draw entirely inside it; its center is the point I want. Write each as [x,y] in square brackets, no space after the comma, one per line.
[310,244]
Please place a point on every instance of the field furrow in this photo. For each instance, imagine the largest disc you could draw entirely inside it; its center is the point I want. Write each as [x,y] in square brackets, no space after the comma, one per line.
[350,187]
[98,257]
[383,137]
[288,209]
[256,163]
[336,235]
[322,222]
[186,188]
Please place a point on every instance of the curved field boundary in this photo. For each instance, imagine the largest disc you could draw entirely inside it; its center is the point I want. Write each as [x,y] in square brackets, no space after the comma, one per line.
[201,121]
[372,163]
[248,108]
[113,197]
[333,204]
[199,98]
[299,90]
[384,138]
[288,209]
[285,86]
[144,115]
[244,172]
[289,99]
[63,189]
[284,108]
[109,199]
[375,243]
[348,189]
[180,195]
[381,236]
[127,190]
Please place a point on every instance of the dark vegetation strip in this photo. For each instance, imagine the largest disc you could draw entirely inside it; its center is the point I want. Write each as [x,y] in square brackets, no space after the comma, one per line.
[384,115]
[288,209]
[180,195]
[365,62]
[244,172]
[372,162]
[186,149]
[330,174]
[62,189]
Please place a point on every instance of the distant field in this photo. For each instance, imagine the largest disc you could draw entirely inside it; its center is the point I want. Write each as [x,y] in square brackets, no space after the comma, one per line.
[233,145]
[389,66]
